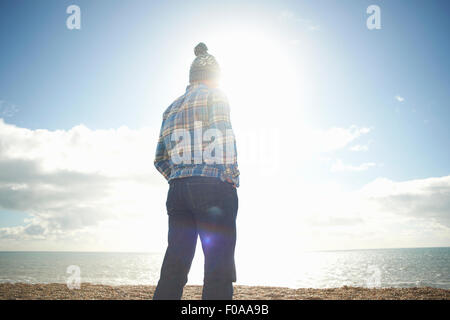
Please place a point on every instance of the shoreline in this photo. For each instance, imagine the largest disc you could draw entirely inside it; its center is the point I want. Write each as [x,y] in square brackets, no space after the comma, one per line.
[88,291]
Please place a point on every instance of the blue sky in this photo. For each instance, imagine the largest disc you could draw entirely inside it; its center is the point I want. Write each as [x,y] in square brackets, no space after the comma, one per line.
[131,59]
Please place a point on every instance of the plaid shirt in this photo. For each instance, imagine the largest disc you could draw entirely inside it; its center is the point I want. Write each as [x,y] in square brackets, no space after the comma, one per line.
[185,136]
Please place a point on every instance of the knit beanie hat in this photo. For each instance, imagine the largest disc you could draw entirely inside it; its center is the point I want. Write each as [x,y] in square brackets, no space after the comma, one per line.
[204,66]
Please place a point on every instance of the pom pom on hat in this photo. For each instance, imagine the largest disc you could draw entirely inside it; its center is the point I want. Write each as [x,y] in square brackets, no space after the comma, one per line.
[200,49]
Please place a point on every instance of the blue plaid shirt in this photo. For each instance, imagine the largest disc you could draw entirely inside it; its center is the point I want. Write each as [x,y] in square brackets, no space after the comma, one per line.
[185,142]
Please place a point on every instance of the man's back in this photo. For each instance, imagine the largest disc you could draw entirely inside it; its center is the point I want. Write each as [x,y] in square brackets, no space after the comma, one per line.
[196,153]
[196,137]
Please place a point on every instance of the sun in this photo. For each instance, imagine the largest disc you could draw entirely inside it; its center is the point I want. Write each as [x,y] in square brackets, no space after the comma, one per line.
[263,78]
[259,72]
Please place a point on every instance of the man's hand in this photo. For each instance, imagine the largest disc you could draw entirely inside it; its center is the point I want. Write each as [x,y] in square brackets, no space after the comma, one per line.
[230,181]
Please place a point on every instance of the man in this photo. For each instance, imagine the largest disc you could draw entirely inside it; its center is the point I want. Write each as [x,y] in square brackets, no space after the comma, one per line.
[196,153]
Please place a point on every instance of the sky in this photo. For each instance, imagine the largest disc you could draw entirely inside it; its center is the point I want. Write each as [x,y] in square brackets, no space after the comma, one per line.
[342,132]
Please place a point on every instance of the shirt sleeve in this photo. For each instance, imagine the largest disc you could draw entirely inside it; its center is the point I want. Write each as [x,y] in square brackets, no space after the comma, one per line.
[162,157]
[219,118]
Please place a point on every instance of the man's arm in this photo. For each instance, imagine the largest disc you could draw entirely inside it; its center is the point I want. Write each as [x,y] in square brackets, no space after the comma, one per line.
[162,157]
[219,118]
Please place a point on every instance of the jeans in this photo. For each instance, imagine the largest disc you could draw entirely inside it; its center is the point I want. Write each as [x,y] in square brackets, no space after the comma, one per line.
[205,207]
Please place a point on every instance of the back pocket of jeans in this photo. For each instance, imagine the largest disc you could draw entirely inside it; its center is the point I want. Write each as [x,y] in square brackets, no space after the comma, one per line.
[205,196]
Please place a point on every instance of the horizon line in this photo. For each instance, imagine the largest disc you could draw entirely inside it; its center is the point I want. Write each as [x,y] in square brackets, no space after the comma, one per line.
[162,252]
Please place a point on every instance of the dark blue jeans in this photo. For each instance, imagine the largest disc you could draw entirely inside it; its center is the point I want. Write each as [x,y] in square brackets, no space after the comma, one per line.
[205,207]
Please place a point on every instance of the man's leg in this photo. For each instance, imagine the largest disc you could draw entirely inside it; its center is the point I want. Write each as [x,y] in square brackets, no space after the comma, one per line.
[218,249]
[216,222]
[180,251]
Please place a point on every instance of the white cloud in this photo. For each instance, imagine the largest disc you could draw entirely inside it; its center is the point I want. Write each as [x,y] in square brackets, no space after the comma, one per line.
[324,215]
[423,198]
[331,139]
[339,166]
[383,213]
[97,190]
[307,24]
[80,183]
[399,98]
[286,14]
[262,150]
[72,182]
[313,27]
[359,147]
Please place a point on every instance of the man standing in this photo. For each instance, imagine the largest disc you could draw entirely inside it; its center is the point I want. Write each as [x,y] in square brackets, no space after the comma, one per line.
[196,153]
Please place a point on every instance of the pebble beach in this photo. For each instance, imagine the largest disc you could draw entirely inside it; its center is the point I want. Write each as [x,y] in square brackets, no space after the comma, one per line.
[59,291]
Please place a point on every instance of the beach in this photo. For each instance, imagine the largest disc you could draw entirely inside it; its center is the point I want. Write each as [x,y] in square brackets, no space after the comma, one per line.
[60,291]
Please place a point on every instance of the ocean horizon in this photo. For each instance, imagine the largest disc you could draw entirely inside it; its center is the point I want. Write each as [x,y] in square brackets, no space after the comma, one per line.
[391,267]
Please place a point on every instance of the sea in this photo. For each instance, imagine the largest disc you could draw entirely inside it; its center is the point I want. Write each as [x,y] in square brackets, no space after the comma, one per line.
[402,268]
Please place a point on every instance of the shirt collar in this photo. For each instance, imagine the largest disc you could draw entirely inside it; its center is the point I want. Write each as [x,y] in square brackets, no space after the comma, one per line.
[195,85]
